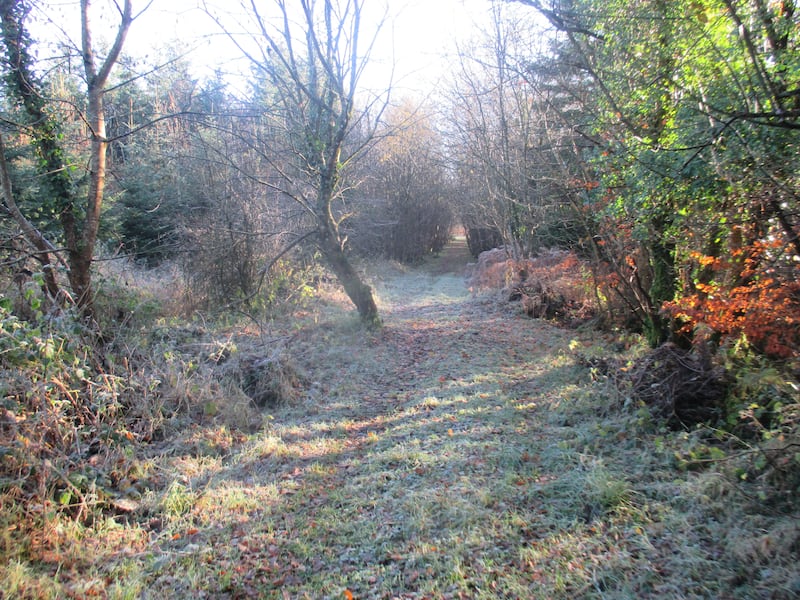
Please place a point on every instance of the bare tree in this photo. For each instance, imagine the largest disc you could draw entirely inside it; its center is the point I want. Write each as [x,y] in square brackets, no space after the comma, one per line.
[310,53]
[509,142]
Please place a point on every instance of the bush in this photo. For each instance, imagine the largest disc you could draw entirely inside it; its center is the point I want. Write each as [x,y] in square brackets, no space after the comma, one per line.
[680,387]
[406,229]
[550,285]
[57,410]
[750,294]
[74,410]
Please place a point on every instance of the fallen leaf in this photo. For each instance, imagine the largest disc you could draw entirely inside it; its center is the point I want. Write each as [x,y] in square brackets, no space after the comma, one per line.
[125,505]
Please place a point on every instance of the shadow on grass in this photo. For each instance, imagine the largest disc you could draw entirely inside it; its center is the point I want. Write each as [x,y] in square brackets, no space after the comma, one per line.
[419,467]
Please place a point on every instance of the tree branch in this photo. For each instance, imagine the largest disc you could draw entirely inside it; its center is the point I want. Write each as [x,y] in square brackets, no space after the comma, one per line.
[34,237]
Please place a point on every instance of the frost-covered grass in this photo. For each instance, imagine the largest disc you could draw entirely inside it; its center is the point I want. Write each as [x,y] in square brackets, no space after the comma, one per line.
[461,452]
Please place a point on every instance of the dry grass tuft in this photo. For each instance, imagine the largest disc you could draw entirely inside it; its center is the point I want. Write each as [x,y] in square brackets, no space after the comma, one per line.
[269,377]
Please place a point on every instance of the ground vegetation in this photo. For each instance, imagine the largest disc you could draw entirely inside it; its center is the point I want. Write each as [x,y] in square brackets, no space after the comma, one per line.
[572,371]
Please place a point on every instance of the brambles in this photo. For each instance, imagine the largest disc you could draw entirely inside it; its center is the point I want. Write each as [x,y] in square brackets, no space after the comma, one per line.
[77,413]
[679,386]
[551,285]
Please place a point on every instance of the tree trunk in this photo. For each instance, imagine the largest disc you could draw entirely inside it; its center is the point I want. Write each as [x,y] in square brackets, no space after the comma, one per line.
[329,240]
[357,290]
[81,251]
[81,247]
[658,329]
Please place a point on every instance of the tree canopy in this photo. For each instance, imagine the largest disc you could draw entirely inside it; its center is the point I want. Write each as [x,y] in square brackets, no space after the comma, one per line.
[683,122]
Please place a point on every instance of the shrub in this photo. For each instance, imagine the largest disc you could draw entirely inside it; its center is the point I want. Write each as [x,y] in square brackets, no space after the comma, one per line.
[680,387]
[73,410]
[56,410]
[551,285]
[748,295]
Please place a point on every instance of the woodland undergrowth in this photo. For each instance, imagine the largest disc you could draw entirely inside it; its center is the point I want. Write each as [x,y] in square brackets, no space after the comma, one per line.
[465,450]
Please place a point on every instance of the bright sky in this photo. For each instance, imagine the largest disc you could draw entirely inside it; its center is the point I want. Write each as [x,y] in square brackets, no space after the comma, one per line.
[418,36]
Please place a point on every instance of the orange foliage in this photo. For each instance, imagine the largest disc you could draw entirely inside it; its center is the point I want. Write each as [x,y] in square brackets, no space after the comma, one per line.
[559,272]
[763,304]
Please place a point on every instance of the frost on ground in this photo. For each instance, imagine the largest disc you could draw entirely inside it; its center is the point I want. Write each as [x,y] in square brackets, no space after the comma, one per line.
[460,452]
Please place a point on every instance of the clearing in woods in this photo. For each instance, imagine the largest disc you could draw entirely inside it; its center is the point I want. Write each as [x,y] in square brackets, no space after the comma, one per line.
[460,452]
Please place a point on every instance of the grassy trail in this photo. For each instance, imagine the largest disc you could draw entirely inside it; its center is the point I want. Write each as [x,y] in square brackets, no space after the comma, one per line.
[460,452]
[419,467]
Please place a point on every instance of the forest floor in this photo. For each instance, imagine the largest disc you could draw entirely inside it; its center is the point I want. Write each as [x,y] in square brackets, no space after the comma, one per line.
[463,451]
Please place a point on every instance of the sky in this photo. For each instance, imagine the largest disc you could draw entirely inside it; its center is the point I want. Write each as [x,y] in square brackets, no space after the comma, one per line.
[417,38]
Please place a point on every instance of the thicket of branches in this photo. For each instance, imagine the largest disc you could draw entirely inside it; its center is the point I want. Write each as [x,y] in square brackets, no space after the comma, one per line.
[404,203]
[659,139]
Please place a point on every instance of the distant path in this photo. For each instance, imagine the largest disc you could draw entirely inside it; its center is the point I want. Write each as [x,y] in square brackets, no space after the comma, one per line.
[452,259]
[439,282]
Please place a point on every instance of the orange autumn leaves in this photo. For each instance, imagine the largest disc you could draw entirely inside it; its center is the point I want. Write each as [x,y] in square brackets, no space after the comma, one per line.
[750,294]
